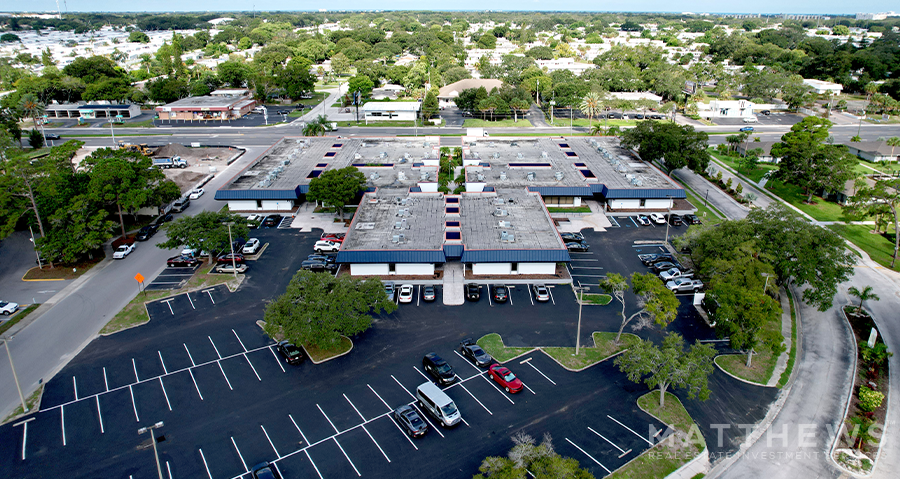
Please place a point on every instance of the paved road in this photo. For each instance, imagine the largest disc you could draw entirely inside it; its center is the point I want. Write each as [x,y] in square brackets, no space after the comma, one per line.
[18,257]
[75,319]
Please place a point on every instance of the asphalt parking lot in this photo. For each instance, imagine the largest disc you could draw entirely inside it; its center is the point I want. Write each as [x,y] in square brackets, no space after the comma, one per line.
[205,368]
[775,118]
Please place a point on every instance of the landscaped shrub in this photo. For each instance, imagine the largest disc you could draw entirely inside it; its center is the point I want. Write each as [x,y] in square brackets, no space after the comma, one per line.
[739,189]
[869,400]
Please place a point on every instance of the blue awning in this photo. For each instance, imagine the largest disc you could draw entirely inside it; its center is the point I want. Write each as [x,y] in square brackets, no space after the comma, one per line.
[516,256]
[396,256]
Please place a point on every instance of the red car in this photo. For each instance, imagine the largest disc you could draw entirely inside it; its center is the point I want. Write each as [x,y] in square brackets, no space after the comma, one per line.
[505,378]
[333,237]
[182,261]
[226,258]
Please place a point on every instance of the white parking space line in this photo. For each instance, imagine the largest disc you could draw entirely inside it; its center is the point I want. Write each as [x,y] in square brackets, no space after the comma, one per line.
[624,452]
[189,299]
[214,347]
[298,429]
[189,355]
[423,374]
[421,413]
[195,384]
[379,398]
[100,415]
[270,441]
[246,469]
[162,362]
[550,292]
[134,365]
[403,433]
[589,267]
[169,304]
[209,292]
[239,340]
[530,296]
[588,276]
[585,259]
[481,373]
[354,408]
[169,468]
[311,462]
[632,430]
[475,398]
[62,421]
[277,360]
[24,425]
[376,443]
[206,465]
[165,393]
[418,294]
[75,387]
[633,221]
[105,381]
[528,362]
[133,404]
[251,367]
[226,377]
[528,388]
[498,389]
[590,456]
[509,295]
[403,387]
[348,457]
[326,417]
[489,295]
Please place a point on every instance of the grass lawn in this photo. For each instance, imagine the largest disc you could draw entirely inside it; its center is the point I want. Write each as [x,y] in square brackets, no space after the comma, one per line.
[17,317]
[318,355]
[594,298]
[755,175]
[792,354]
[31,401]
[509,123]
[493,345]
[362,124]
[706,211]
[32,153]
[138,124]
[762,365]
[134,313]
[315,100]
[578,209]
[887,169]
[61,272]
[667,456]
[877,246]
[822,210]
[604,347]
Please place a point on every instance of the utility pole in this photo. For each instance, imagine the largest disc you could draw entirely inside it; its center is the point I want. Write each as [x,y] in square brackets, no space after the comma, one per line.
[580,290]
[15,377]
[231,243]
[153,441]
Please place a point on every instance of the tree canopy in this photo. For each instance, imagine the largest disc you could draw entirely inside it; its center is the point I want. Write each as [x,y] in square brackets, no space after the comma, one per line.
[337,188]
[207,230]
[808,161]
[677,145]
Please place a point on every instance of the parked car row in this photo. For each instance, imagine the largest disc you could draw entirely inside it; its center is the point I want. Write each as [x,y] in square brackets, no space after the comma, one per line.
[672,219]
[676,277]
[263,221]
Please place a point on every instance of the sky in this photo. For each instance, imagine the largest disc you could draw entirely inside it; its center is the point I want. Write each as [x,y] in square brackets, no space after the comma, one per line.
[695,6]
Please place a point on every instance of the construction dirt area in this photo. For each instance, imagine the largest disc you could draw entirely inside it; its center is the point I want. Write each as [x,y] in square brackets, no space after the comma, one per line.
[201,162]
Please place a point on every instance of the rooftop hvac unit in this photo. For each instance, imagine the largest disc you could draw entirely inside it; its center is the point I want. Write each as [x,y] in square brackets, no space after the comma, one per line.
[475,155]
[383,155]
[621,169]
[558,175]
[506,237]
[404,225]
[491,144]
[496,155]
[499,212]
[403,212]
[637,182]
[286,162]
[503,175]
[480,177]
[544,155]
[402,161]
[629,176]
[402,237]
[401,176]
[423,176]
[398,225]
[406,156]
[374,176]
[498,201]
[530,176]
[426,155]
[520,156]
[505,224]
[395,239]
[373,201]
[408,144]
[513,143]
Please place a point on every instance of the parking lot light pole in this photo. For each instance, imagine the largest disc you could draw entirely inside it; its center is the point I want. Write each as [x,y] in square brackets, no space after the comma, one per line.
[15,377]
[231,245]
[580,290]
[668,217]
[153,441]
[766,286]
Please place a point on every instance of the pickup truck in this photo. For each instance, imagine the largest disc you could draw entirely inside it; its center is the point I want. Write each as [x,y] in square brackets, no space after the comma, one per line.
[673,273]
[681,285]
[175,162]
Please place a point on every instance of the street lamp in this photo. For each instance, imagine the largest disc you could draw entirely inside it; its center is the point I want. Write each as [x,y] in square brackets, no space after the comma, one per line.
[668,215]
[766,286]
[580,290]
[113,131]
[15,377]
[231,245]
[153,441]
[552,103]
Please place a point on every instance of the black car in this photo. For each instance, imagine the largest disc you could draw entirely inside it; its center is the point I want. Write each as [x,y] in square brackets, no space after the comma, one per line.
[580,246]
[408,419]
[265,470]
[649,259]
[51,136]
[291,353]
[474,353]
[272,220]
[324,258]
[766,112]
[146,232]
[501,294]
[315,265]
[163,219]
[675,220]
[691,219]
[473,291]
[572,237]
[181,261]
[664,266]
[435,366]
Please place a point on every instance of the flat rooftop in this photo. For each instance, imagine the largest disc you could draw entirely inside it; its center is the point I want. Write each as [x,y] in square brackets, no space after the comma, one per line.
[206,102]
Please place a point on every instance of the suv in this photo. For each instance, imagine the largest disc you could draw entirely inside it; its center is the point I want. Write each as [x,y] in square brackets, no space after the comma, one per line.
[315,265]
[501,294]
[691,219]
[473,291]
[146,232]
[326,247]
[435,366]
[181,204]
[675,220]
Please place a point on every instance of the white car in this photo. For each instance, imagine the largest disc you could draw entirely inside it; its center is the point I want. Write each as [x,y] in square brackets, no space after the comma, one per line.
[674,273]
[192,252]
[251,246]
[643,220]
[406,293]
[657,218]
[197,193]
[326,247]
[680,285]
[230,268]
[8,308]
[124,250]
[254,220]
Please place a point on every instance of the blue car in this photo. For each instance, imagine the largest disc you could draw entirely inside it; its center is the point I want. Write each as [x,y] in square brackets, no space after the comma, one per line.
[747,128]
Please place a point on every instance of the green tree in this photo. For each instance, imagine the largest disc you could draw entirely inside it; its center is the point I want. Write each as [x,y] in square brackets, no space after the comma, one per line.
[656,302]
[340,64]
[317,308]
[233,73]
[80,226]
[337,187]
[111,89]
[360,83]
[677,145]
[528,459]
[35,139]
[487,41]
[518,105]
[127,180]
[591,104]
[167,90]
[430,107]
[296,79]
[207,230]
[316,127]
[893,142]
[138,37]
[865,294]
[841,30]
[31,107]
[809,162]
[670,366]
[9,38]
[741,314]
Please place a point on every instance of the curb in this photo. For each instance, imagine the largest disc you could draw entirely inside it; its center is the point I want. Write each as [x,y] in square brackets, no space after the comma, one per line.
[541,348]
[35,409]
[331,357]
[735,377]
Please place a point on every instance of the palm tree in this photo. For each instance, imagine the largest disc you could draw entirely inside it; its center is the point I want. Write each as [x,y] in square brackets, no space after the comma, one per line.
[893,142]
[32,107]
[870,89]
[855,139]
[591,105]
[867,294]
[597,130]
[316,127]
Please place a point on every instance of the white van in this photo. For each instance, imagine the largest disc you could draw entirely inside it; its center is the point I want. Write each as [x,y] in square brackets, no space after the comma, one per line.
[751,119]
[437,404]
